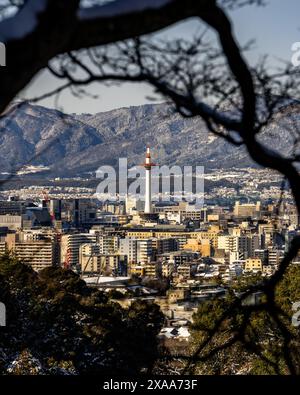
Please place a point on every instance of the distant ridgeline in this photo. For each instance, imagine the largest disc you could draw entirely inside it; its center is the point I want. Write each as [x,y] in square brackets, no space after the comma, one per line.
[91,140]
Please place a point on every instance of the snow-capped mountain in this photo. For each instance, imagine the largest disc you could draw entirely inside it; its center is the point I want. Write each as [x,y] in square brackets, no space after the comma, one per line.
[74,144]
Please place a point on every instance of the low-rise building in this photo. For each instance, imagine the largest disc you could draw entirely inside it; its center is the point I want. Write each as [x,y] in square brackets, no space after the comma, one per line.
[253,265]
[198,245]
[175,295]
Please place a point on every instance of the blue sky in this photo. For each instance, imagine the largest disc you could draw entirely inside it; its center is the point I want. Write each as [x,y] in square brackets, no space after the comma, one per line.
[274,27]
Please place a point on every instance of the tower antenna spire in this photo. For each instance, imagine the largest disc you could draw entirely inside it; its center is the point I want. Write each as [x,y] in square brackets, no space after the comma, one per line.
[148,165]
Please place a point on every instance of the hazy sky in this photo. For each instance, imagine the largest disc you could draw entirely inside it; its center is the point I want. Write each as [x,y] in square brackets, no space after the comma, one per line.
[274,27]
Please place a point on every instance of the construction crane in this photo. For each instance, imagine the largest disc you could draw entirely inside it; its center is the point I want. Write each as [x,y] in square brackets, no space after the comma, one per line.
[67,264]
[102,267]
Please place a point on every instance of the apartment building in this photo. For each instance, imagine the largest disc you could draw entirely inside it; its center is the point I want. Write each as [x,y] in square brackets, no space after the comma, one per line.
[238,247]
[108,244]
[70,244]
[39,252]
[12,222]
[247,210]
[201,246]
[253,265]
[137,250]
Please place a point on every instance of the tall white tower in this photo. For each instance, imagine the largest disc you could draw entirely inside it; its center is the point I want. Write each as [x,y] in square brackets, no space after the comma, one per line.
[148,164]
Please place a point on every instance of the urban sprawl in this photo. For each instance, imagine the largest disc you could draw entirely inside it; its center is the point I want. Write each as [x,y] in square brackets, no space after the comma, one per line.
[132,247]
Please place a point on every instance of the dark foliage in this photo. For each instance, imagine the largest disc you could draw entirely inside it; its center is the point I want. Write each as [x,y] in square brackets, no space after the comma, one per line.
[57,325]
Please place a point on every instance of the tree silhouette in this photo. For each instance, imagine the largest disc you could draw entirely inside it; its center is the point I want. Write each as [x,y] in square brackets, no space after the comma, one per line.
[236,101]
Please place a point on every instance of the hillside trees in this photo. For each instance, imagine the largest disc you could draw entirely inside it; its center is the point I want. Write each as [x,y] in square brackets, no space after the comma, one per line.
[57,325]
[251,340]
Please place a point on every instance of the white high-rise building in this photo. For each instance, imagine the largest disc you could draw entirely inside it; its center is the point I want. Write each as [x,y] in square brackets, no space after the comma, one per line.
[148,164]
[137,250]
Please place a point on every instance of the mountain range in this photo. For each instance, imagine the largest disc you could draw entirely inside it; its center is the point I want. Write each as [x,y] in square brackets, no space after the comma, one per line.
[77,144]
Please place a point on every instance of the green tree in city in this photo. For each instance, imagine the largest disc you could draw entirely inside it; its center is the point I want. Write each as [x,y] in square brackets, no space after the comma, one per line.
[249,340]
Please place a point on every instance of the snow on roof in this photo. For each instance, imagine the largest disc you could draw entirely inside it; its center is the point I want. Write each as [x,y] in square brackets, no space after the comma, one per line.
[104,279]
[173,333]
